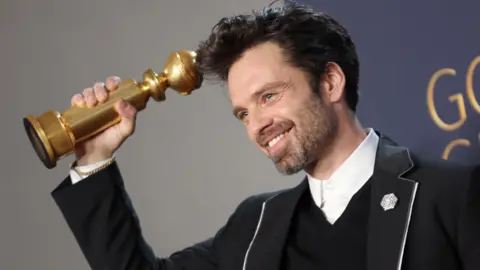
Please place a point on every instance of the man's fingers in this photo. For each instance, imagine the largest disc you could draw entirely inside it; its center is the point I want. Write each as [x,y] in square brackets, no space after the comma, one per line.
[112,82]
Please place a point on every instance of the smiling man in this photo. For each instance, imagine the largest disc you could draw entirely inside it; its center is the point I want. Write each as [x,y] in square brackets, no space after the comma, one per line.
[290,122]
[365,203]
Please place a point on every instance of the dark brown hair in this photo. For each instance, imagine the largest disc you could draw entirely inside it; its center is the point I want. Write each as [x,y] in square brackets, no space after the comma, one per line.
[310,40]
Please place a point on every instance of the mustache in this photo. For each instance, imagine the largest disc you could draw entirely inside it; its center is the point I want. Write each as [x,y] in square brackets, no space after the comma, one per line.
[272,131]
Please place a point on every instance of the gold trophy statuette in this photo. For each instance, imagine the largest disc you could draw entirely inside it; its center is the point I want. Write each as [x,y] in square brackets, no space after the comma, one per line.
[54,135]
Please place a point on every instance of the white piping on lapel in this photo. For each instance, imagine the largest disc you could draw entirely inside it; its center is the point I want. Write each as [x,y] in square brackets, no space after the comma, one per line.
[405,233]
[259,223]
[410,207]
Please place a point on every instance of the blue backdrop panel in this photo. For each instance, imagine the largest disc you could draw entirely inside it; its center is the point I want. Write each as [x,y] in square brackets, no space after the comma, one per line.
[420,71]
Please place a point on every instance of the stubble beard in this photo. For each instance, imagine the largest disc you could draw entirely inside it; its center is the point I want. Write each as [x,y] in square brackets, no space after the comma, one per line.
[310,140]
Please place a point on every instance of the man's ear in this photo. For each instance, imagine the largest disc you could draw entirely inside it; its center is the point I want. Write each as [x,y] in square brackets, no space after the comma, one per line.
[333,82]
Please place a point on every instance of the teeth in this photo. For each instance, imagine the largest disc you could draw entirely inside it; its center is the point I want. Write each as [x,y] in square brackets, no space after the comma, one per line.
[275,140]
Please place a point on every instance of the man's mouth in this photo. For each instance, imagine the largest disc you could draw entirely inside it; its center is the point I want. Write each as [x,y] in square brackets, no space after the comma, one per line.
[275,140]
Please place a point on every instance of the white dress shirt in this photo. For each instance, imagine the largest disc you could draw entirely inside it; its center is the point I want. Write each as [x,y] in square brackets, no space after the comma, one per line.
[347,180]
[337,191]
[75,177]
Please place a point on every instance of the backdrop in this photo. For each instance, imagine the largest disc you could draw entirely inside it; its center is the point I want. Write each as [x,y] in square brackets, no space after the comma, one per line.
[190,163]
[420,71]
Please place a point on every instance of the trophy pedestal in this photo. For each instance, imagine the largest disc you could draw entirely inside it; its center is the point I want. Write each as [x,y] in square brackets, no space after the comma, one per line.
[48,136]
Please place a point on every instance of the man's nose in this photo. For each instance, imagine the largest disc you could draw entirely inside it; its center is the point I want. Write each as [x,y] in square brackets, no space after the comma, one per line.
[258,123]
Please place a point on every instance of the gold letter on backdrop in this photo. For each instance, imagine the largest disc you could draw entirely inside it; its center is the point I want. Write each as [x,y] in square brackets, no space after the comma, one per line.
[458,98]
[453,144]
[470,92]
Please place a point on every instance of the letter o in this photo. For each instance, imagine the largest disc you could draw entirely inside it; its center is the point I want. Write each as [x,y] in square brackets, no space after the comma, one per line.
[470,93]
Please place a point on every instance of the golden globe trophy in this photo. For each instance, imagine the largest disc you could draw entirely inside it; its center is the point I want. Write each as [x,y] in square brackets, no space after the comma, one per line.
[54,135]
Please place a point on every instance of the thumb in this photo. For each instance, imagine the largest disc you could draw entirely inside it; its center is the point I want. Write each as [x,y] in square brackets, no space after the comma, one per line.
[128,114]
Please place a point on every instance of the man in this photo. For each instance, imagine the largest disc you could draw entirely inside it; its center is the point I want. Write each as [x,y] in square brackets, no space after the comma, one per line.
[366,203]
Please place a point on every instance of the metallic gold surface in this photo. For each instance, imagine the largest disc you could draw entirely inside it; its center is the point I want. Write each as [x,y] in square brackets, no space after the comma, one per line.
[54,135]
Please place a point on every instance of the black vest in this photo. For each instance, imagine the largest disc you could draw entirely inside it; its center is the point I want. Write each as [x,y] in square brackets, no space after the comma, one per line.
[314,243]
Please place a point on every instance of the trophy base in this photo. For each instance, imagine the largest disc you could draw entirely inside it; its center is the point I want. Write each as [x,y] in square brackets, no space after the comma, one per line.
[39,141]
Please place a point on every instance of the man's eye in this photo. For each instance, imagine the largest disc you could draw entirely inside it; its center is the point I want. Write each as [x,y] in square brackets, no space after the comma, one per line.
[267,97]
[242,115]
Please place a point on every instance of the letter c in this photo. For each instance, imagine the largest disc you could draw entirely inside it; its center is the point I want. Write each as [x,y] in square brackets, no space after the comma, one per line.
[453,144]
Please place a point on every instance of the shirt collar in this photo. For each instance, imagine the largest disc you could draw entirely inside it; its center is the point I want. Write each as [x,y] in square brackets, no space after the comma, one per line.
[349,177]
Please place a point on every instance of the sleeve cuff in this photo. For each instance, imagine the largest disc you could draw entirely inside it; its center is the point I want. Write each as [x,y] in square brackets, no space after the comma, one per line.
[76,177]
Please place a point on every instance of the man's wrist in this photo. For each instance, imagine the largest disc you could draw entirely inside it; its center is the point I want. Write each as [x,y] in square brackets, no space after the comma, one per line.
[87,170]
[92,159]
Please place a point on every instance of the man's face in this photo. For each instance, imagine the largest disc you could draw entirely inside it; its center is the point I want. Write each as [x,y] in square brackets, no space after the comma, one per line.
[283,116]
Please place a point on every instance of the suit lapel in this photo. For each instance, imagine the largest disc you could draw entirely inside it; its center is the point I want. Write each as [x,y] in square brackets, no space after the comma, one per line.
[388,228]
[267,245]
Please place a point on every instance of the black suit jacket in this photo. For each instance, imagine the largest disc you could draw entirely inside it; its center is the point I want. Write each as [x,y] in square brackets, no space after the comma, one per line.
[435,224]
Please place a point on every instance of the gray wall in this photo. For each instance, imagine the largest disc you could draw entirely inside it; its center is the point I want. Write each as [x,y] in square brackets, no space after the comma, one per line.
[187,166]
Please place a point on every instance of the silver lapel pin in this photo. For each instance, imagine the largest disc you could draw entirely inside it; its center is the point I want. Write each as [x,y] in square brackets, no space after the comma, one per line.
[389,201]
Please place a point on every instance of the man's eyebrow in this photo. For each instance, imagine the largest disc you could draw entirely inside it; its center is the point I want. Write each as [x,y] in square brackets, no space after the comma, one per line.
[270,86]
[273,85]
